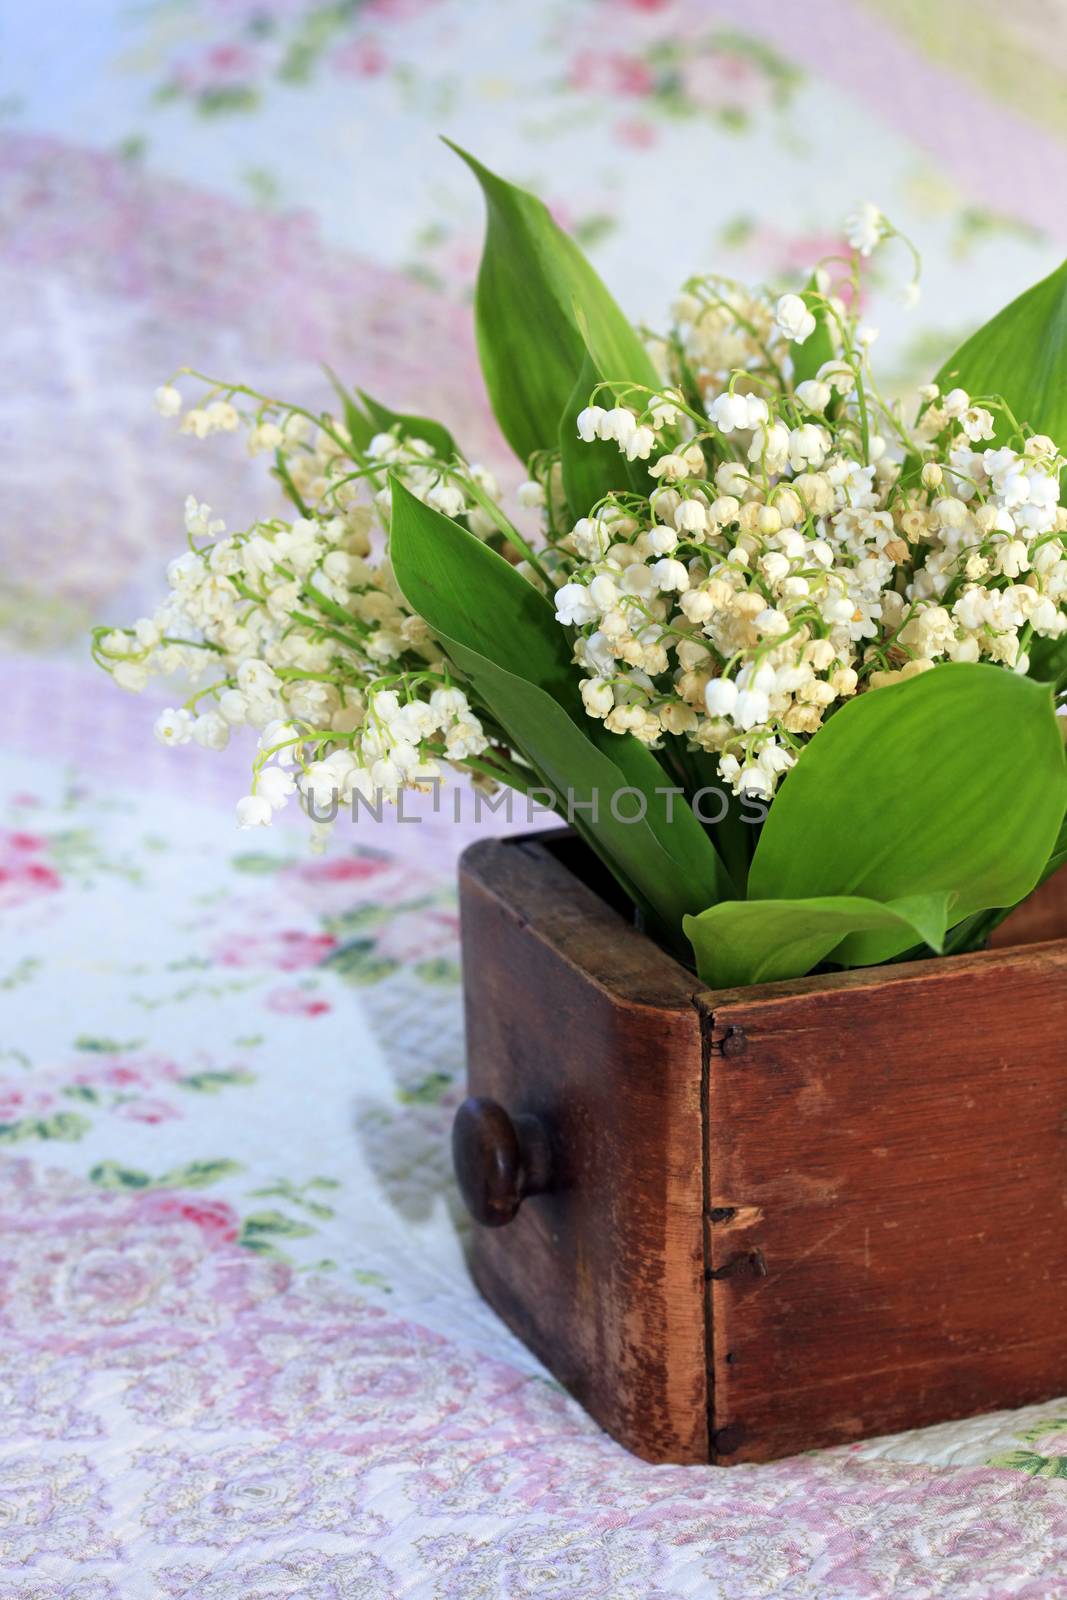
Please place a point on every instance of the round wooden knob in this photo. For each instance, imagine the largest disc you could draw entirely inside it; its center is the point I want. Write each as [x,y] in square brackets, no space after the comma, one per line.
[499,1160]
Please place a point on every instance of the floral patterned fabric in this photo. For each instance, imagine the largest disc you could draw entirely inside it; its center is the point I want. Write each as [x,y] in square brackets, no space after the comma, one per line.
[239,1353]
[240,1356]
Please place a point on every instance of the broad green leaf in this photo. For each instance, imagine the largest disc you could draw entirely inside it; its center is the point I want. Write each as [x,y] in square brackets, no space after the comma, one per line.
[591,471]
[502,634]
[972,934]
[409,426]
[361,429]
[818,346]
[1021,354]
[762,941]
[536,293]
[465,590]
[954,781]
[1048,660]
[579,765]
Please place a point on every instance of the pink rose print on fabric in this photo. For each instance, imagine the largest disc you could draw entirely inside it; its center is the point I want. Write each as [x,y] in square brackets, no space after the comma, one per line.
[20,1099]
[278,42]
[636,133]
[25,872]
[97,1270]
[297,1003]
[218,1222]
[55,1507]
[601,72]
[290,950]
[362,58]
[683,66]
[538,1456]
[330,886]
[61,1100]
[372,1386]
[225,1497]
[304,1437]
[41,1396]
[173,1383]
[296,1575]
[149,1111]
[33,1586]
[338,869]
[558,1562]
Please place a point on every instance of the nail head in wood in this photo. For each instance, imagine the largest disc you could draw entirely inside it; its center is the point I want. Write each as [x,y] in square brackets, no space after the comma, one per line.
[499,1160]
[734,1042]
[728,1439]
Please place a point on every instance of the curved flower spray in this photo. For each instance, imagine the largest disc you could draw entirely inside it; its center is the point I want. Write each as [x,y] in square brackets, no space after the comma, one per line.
[740,537]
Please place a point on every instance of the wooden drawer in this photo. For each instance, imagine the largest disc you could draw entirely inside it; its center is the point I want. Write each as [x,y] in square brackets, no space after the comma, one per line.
[742,1224]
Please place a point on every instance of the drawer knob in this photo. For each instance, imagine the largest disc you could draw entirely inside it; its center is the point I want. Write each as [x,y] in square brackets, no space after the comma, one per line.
[499,1160]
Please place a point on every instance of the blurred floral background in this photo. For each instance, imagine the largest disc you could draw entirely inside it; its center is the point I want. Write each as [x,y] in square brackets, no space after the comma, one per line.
[240,1356]
[256,186]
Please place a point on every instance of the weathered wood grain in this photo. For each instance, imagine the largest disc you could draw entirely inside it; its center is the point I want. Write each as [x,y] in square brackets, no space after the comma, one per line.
[777,1217]
[576,1019]
[892,1147]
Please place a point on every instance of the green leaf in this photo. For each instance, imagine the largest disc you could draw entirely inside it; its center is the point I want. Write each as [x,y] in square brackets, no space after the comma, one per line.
[439,970]
[591,471]
[1058,858]
[1042,1429]
[818,346]
[762,941]
[104,1046]
[372,1280]
[259,861]
[1037,1466]
[430,1091]
[536,294]
[67,1126]
[974,932]
[954,781]
[212,1082]
[410,426]
[1021,354]
[273,1222]
[198,1174]
[360,428]
[112,1175]
[358,962]
[503,635]
[1048,660]
[261,1246]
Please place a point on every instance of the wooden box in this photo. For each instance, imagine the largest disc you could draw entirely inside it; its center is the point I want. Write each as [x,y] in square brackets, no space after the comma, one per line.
[745,1223]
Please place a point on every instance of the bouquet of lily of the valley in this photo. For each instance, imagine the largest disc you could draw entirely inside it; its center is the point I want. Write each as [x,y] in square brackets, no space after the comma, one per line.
[787,661]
